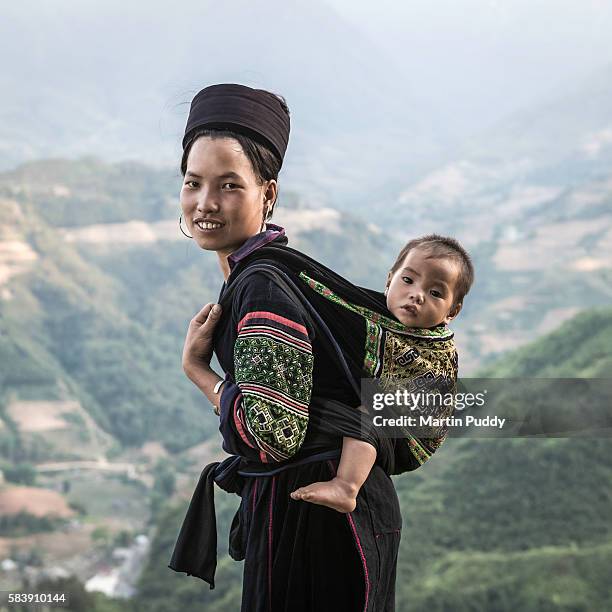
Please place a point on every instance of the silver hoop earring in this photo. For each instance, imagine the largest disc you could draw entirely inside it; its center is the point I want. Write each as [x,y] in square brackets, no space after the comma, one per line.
[264,219]
[181,227]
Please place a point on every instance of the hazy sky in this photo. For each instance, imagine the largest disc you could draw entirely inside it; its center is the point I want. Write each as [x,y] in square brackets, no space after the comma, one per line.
[489,56]
[478,59]
[465,64]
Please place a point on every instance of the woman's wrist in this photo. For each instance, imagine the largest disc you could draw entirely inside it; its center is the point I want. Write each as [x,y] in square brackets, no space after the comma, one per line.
[206,379]
[194,369]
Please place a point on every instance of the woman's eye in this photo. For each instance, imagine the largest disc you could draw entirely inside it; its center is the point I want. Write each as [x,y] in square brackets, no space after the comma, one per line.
[191,184]
[407,279]
[228,185]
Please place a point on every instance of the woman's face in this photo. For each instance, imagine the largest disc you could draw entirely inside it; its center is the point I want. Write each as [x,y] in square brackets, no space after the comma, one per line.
[222,202]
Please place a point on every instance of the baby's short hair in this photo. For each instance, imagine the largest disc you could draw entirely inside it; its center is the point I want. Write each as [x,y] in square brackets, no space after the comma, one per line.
[439,247]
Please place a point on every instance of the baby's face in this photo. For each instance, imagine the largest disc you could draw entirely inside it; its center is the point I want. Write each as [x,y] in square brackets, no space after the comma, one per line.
[420,293]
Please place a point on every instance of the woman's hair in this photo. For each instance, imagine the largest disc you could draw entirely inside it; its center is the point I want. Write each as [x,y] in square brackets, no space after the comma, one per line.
[266,166]
[443,246]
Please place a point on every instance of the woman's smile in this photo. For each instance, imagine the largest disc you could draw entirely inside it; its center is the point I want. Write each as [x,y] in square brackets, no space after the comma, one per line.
[208,226]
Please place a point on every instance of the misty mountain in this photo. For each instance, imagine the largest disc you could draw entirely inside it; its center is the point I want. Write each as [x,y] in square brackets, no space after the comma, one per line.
[75,91]
[532,201]
[526,160]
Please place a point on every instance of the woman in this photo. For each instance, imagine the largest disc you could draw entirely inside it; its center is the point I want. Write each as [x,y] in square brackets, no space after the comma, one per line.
[279,372]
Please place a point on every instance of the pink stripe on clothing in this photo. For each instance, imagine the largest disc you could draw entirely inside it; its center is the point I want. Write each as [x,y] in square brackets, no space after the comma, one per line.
[254,496]
[261,330]
[270,543]
[359,548]
[363,560]
[262,314]
[266,392]
[238,420]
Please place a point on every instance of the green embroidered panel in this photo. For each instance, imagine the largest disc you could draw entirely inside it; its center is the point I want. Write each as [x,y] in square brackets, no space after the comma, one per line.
[274,364]
[276,382]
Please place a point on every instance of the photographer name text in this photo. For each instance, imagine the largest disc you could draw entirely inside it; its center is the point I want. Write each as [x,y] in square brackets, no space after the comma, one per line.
[430,421]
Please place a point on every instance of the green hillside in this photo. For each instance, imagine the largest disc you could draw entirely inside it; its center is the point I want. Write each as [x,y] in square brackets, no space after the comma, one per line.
[65,335]
[499,524]
[580,348]
[507,524]
[531,198]
[104,320]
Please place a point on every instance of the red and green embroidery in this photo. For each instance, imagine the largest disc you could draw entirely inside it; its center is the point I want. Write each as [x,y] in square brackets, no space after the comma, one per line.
[273,368]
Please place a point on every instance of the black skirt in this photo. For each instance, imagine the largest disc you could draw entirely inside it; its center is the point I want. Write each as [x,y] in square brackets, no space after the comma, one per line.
[300,556]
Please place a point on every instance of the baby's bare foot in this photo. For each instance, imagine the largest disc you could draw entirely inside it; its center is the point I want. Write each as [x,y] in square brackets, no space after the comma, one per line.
[334,494]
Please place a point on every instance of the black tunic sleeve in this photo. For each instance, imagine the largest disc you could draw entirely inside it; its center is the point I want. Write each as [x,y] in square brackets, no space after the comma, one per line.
[264,406]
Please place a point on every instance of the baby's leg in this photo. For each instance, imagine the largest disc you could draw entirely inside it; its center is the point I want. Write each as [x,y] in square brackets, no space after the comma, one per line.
[340,493]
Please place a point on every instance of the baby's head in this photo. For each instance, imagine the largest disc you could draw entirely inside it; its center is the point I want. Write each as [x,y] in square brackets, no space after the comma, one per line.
[428,281]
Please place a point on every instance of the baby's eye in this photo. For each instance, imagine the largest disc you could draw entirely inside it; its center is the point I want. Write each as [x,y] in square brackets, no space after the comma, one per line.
[436,293]
[407,279]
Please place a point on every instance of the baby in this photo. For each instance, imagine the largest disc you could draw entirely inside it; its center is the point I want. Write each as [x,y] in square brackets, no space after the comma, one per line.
[425,288]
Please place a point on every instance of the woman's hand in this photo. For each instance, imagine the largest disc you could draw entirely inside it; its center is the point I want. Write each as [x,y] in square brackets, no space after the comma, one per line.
[198,347]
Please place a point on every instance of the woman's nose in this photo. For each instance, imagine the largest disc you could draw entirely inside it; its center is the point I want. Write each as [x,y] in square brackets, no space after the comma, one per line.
[207,202]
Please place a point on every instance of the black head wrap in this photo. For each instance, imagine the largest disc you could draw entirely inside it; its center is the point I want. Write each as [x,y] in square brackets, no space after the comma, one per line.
[254,112]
